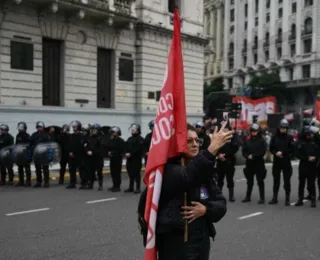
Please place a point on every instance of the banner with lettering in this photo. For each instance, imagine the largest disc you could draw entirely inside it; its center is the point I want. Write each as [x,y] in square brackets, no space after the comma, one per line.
[254,107]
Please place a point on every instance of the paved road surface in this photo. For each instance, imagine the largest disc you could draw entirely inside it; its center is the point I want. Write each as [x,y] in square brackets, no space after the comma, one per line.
[62,224]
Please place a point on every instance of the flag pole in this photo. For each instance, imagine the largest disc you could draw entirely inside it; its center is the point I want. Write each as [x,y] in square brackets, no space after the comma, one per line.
[185,203]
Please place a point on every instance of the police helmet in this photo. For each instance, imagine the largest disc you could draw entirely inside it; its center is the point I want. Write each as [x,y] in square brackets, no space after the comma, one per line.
[284,123]
[96,126]
[77,124]
[65,127]
[40,124]
[86,127]
[255,127]
[199,124]
[4,127]
[22,126]
[115,129]
[151,124]
[135,127]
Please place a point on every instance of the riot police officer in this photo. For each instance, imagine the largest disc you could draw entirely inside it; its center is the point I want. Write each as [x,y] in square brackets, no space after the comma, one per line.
[6,139]
[308,153]
[201,131]
[40,136]
[116,149]
[77,155]
[253,150]
[64,141]
[23,138]
[226,164]
[147,142]
[282,148]
[134,153]
[95,159]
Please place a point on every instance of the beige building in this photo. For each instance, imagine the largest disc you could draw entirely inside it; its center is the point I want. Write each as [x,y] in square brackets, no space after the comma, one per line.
[214,31]
[94,60]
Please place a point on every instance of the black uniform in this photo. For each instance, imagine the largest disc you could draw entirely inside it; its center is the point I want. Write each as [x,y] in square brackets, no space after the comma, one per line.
[317,140]
[95,161]
[134,146]
[255,146]
[116,147]
[77,147]
[64,141]
[24,138]
[146,146]
[306,147]
[205,140]
[227,168]
[281,143]
[6,139]
[36,138]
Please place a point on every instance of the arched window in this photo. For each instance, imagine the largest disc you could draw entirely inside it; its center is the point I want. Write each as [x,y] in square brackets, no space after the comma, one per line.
[293,31]
[256,40]
[231,47]
[279,34]
[308,25]
[267,37]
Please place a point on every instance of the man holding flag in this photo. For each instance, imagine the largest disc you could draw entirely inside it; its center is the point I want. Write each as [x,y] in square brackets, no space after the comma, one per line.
[171,140]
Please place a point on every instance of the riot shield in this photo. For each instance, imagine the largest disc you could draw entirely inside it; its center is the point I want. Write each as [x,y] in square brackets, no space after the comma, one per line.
[21,154]
[6,157]
[47,153]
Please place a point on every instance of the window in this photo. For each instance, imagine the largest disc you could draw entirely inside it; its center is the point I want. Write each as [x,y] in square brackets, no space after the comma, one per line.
[231,48]
[291,73]
[280,13]
[232,15]
[256,21]
[266,56]
[255,45]
[151,95]
[230,83]
[245,25]
[257,6]
[292,50]
[244,61]
[294,8]
[158,95]
[232,2]
[21,55]
[279,36]
[126,69]
[244,45]
[293,32]
[308,25]
[267,4]
[246,10]
[308,3]
[267,39]
[172,4]
[307,46]
[306,71]
[268,17]
[279,53]
[255,58]
[280,1]
[231,29]
[231,64]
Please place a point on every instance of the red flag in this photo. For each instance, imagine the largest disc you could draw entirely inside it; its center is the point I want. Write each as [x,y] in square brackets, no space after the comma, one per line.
[318,109]
[169,138]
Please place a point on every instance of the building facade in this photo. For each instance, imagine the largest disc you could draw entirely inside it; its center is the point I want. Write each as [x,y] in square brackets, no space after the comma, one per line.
[274,35]
[94,60]
[214,31]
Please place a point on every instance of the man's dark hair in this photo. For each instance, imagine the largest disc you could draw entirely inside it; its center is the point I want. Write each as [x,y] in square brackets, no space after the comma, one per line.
[191,128]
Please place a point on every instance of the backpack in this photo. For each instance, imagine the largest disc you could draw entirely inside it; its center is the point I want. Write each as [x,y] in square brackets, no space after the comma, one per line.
[143,226]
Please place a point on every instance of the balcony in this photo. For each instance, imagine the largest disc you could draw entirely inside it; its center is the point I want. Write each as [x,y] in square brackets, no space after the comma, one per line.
[303,82]
[266,44]
[230,53]
[306,34]
[244,50]
[278,40]
[292,37]
[255,47]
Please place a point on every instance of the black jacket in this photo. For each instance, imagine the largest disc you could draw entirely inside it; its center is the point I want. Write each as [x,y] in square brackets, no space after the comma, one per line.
[147,143]
[230,149]
[116,146]
[64,141]
[306,148]
[77,145]
[256,146]
[134,146]
[23,138]
[39,137]
[6,140]
[282,143]
[192,178]
[94,144]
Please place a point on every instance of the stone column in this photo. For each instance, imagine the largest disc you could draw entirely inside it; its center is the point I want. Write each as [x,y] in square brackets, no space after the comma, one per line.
[218,32]
[205,23]
[212,25]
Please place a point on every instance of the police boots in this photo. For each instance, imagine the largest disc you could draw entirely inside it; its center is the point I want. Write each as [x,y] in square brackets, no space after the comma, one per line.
[248,194]
[261,193]
[100,185]
[130,189]
[274,199]
[231,195]
[299,202]
[313,202]
[287,203]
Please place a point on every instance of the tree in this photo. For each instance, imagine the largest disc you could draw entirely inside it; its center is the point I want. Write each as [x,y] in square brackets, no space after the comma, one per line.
[267,84]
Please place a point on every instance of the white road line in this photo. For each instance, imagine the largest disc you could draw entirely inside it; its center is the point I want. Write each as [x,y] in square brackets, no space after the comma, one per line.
[103,200]
[26,212]
[293,203]
[241,180]
[251,215]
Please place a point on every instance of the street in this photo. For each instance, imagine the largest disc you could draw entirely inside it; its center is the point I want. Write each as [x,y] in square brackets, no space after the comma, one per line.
[58,224]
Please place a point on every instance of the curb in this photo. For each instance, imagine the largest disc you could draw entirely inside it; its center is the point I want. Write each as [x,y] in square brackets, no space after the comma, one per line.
[55,176]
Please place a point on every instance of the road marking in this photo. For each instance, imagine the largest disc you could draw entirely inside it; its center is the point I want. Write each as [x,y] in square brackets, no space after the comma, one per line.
[293,203]
[251,215]
[103,200]
[241,180]
[26,212]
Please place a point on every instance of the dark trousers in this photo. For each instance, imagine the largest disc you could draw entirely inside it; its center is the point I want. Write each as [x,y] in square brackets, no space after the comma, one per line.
[24,169]
[63,167]
[4,171]
[307,173]
[133,167]
[42,169]
[255,168]
[95,166]
[79,164]
[283,165]
[172,247]
[115,169]
[225,170]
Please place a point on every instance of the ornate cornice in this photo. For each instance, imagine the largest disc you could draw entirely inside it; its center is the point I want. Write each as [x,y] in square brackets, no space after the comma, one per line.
[53,26]
[107,37]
